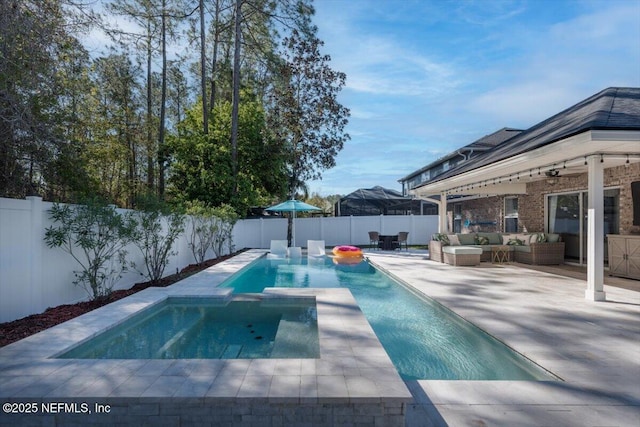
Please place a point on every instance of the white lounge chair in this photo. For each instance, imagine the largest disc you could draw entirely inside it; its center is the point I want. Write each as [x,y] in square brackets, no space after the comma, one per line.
[278,249]
[295,252]
[316,248]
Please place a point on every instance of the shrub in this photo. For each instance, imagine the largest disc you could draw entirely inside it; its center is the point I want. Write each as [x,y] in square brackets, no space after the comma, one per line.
[153,238]
[95,235]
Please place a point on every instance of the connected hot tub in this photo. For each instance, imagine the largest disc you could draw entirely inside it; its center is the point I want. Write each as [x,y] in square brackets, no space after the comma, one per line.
[247,327]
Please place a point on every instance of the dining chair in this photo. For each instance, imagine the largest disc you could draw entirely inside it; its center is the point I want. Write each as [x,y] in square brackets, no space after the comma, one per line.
[374,238]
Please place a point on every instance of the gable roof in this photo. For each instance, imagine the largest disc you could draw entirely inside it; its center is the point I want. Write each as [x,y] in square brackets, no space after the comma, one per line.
[611,109]
[485,143]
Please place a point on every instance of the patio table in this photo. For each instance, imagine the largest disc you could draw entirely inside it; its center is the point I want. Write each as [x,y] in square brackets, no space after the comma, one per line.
[388,242]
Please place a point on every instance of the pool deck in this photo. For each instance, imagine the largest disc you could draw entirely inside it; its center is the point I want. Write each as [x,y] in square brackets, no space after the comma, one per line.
[594,347]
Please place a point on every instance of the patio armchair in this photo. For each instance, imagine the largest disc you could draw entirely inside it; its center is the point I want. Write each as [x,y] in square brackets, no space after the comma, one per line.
[374,239]
[402,238]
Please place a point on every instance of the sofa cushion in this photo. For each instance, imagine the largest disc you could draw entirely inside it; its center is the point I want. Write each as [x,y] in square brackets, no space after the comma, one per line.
[506,238]
[462,250]
[467,239]
[522,248]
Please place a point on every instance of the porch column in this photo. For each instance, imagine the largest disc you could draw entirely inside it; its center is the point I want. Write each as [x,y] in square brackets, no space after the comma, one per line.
[442,213]
[595,230]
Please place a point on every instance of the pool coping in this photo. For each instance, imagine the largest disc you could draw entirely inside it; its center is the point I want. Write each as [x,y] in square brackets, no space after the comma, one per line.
[353,366]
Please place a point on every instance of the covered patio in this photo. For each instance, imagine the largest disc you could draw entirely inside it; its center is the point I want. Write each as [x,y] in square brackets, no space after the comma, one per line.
[596,135]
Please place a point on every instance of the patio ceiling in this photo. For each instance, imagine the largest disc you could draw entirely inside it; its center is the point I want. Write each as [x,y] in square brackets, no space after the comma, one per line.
[567,157]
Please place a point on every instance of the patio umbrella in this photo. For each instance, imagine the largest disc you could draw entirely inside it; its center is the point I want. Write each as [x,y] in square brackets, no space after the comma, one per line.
[293,206]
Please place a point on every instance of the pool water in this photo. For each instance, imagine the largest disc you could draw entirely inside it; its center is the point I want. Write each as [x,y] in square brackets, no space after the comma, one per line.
[201,328]
[423,339]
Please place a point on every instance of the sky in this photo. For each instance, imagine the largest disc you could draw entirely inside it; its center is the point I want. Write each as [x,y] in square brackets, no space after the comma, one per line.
[425,77]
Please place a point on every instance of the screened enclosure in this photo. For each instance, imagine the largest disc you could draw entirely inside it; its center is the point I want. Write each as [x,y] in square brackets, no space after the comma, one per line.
[382,201]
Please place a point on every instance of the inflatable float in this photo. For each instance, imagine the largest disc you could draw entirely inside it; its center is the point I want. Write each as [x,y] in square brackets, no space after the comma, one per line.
[345,254]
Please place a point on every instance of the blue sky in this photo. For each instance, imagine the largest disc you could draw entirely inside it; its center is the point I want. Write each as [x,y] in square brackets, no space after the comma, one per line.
[425,77]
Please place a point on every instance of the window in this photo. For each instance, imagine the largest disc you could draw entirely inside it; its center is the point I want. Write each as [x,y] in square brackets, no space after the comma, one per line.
[510,214]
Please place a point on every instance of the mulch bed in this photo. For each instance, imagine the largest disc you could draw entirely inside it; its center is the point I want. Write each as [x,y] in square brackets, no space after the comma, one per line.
[22,328]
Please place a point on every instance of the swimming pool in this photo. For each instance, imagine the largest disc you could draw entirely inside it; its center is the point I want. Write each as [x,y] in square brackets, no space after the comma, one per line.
[205,328]
[424,339]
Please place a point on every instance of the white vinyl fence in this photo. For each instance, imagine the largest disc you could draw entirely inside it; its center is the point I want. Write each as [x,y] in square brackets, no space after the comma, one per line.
[34,277]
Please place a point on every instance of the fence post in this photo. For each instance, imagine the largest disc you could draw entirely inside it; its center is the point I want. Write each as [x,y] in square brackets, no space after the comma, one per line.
[262,242]
[413,229]
[351,229]
[36,251]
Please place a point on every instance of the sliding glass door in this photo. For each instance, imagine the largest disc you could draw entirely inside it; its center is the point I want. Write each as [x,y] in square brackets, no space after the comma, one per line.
[567,215]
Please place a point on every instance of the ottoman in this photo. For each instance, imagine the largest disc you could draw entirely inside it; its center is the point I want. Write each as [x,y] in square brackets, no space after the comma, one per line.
[461,255]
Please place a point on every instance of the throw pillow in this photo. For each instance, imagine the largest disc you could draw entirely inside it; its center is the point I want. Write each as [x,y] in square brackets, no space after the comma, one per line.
[441,237]
[538,238]
[515,242]
[482,240]
[453,240]
[505,239]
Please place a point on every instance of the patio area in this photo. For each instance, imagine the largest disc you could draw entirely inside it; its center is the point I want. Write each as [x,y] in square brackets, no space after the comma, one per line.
[593,347]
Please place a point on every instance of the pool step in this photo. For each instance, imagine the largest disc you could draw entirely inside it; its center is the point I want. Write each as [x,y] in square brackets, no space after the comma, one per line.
[166,348]
[290,340]
[232,351]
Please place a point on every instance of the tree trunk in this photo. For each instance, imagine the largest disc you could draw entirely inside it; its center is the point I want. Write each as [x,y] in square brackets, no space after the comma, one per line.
[236,96]
[214,60]
[150,171]
[161,148]
[203,72]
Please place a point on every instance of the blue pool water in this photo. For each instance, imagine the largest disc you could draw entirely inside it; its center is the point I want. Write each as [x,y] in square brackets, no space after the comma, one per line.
[200,328]
[424,339]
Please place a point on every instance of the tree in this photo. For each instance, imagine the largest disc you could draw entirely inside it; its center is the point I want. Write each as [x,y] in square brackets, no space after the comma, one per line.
[112,155]
[201,168]
[34,39]
[305,114]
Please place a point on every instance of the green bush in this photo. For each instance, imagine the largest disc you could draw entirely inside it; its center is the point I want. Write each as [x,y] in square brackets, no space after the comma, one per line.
[95,235]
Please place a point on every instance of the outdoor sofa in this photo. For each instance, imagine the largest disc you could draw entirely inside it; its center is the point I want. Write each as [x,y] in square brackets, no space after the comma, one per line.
[527,248]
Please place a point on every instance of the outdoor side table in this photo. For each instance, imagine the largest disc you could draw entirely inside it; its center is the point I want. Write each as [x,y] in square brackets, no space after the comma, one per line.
[500,254]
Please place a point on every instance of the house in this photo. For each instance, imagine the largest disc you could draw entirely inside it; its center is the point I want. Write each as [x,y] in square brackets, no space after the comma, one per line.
[455,158]
[572,173]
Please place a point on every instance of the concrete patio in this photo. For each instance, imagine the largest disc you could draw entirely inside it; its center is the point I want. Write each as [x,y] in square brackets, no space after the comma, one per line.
[594,347]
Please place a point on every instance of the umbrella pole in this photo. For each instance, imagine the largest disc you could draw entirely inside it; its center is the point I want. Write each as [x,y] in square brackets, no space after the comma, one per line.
[293,230]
